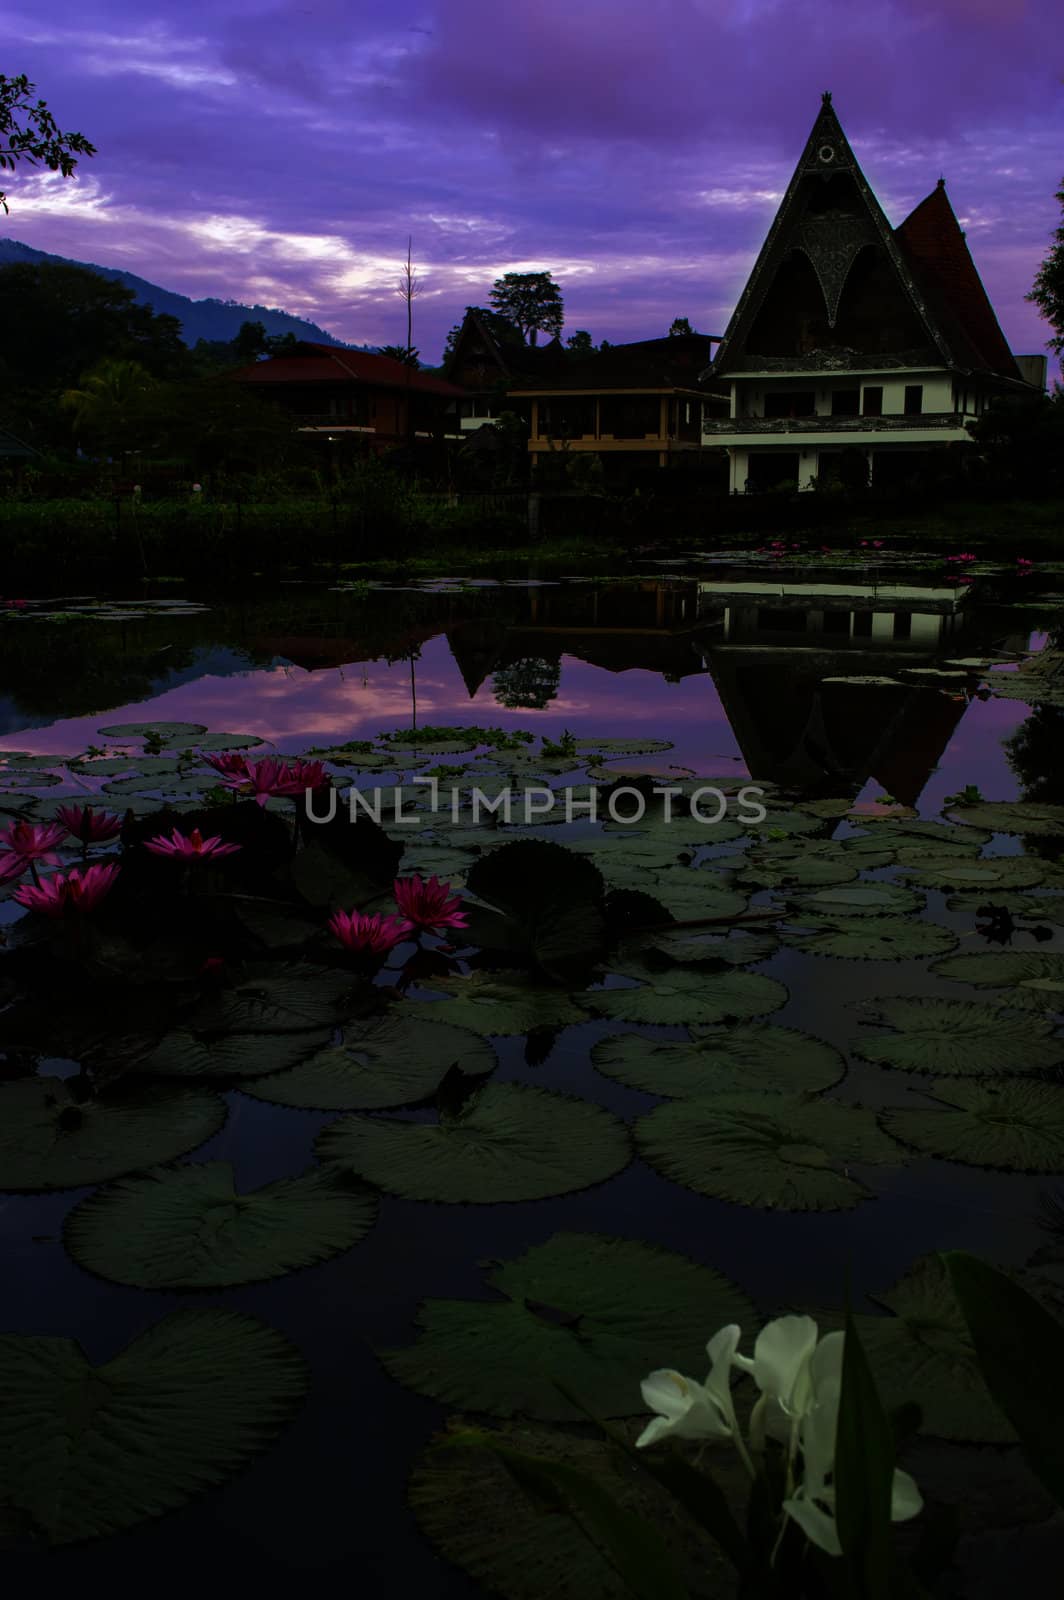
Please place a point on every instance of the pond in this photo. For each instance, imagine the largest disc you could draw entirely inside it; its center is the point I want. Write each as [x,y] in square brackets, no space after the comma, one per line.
[841,1063]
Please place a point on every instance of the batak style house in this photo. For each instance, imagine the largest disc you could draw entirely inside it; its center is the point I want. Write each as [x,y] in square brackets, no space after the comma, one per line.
[855,347]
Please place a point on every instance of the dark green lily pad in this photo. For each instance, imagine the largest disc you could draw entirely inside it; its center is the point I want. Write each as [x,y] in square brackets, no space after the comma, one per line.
[1013,816]
[494,1005]
[923,1355]
[989,872]
[153,730]
[234,1055]
[186,1227]
[1016,1125]
[385,1061]
[583,1308]
[87,1451]
[1034,981]
[684,996]
[48,1140]
[753,1057]
[861,900]
[958,1038]
[870,938]
[782,1152]
[509,1142]
[276,999]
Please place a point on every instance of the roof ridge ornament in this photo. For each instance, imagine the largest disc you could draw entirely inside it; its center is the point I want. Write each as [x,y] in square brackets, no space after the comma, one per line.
[825,98]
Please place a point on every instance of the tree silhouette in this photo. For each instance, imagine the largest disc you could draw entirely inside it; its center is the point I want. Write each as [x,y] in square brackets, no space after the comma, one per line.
[532,301]
[29,132]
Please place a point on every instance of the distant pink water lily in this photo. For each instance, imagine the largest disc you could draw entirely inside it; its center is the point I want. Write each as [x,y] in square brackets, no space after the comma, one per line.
[229,763]
[77,890]
[190,846]
[428,905]
[368,935]
[266,778]
[309,774]
[89,826]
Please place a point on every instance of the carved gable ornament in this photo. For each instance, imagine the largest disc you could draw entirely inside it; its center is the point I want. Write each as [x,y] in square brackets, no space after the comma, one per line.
[832,240]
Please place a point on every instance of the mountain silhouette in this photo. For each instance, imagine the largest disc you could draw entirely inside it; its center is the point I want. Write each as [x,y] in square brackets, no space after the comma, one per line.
[200,319]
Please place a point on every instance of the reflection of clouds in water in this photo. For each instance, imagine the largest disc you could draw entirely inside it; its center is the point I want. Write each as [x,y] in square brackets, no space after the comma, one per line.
[292,708]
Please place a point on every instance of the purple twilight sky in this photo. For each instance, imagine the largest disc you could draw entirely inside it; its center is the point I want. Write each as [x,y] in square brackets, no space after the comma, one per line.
[282,154]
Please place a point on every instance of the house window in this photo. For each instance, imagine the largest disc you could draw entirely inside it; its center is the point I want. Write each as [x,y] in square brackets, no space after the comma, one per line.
[845,402]
[903,624]
[914,399]
[862,625]
[799,403]
[873,401]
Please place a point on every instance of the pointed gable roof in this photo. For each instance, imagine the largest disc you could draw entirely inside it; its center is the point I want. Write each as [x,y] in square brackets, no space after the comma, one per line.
[933,242]
[830,246]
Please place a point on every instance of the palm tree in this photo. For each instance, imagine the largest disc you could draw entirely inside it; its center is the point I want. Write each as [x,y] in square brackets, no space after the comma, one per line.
[111,406]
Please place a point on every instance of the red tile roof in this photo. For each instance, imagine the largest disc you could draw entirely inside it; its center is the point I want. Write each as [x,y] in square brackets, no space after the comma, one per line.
[324,363]
[934,246]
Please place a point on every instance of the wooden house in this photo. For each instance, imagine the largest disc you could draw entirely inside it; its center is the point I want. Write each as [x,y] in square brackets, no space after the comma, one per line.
[348,394]
[632,405]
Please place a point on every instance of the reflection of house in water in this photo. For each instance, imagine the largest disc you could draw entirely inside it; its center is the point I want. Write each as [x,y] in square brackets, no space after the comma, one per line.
[771,645]
[652,626]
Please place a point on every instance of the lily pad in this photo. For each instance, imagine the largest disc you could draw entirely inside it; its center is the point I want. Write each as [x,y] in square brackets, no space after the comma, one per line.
[51,1140]
[221,741]
[1016,1125]
[990,872]
[683,891]
[186,1227]
[1034,981]
[862,900]
[87,1451]
[683,996]
[383,1062]
[754,1057]
[923,1355]
[777,1151]
[1015,816]
[153,730]
[509,1142]
[469,1506]
[236,1055]
[796,871]
[498,1006]
[583,1308]
[276,999]
[958,1038]
[871,938]
[624,747]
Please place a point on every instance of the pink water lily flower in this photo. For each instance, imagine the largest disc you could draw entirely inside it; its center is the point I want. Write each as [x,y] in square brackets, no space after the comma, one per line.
[269,777]
[368,935]
[11,866]
[230,763]
[33,841]
[190,846]
[89,826]
[309,774]
[428,905]
[76,890]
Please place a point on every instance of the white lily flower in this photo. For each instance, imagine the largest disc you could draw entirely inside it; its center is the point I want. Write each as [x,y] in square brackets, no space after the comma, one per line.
[812,1505]
[781,1370]
[686,1409]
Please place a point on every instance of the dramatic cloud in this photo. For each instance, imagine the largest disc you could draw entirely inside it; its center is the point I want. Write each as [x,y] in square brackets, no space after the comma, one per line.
[283,153]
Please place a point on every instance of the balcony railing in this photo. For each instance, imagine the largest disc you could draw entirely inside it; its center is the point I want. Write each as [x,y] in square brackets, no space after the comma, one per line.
[826,424]
[328,419]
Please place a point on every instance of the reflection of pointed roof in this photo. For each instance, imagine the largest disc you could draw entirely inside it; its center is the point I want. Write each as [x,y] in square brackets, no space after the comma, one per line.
[795,730]
[935,247]
[476,648]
